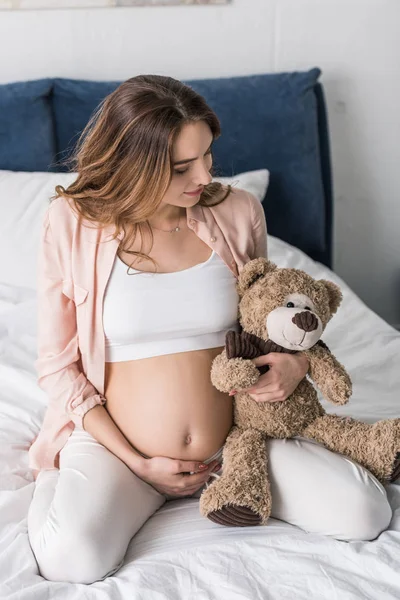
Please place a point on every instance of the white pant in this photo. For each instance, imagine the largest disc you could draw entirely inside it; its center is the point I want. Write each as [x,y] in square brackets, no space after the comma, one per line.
[83,516]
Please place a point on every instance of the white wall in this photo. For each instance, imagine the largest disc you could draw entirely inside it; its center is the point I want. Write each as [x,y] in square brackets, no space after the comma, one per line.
[355,42]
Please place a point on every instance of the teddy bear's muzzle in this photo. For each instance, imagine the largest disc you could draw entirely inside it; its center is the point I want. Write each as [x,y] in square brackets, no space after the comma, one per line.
[306,321]
[293,328]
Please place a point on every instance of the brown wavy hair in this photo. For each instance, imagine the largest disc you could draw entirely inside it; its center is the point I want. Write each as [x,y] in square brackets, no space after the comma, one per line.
[124,155]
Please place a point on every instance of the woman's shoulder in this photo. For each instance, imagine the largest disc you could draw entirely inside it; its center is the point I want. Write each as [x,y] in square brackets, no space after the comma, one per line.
[60,212]
[65,219]
[238,204]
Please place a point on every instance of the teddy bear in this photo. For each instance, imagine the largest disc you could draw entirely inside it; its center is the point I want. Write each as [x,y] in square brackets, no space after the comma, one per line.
[285,310]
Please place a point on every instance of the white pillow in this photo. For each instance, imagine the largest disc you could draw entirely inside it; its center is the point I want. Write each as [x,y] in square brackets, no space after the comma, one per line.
[24,197]
[255,182]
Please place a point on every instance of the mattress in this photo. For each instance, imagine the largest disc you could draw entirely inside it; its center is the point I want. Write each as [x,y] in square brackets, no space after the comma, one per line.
[177,553]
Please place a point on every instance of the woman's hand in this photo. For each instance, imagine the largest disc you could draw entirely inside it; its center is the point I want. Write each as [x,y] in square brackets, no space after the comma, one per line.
[176,477]
[284,375]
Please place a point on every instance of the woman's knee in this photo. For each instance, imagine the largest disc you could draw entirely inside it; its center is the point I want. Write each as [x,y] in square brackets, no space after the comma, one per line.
[368,514]
[77,558]
[323,492]
[360,511]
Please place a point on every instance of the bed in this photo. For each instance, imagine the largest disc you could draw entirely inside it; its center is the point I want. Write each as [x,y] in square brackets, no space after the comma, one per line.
[178,554]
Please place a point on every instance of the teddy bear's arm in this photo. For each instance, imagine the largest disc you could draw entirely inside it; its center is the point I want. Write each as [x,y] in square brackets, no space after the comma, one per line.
[329,375]
[233,373]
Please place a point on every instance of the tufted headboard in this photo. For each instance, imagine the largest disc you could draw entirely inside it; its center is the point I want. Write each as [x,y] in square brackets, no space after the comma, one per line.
[276,121]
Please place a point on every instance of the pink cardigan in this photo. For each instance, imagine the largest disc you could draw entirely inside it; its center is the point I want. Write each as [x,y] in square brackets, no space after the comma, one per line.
[75,262]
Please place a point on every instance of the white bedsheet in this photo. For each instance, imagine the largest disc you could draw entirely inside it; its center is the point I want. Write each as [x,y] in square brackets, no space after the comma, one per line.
[177,553]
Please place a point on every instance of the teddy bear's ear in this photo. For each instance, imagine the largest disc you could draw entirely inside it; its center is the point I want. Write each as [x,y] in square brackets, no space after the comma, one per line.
[252,271]
[334,293]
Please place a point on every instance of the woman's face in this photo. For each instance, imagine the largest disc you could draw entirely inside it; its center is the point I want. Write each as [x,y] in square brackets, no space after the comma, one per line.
[192,161]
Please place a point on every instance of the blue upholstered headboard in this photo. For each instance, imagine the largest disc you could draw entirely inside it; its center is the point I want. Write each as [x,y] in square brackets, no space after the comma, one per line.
[275,121]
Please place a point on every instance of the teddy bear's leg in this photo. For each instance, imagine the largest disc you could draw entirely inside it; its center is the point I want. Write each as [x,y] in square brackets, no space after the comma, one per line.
[241,495]
[375,446]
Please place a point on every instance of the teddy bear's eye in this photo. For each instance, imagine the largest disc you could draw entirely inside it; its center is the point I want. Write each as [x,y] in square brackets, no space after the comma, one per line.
[290,305]
[307,308]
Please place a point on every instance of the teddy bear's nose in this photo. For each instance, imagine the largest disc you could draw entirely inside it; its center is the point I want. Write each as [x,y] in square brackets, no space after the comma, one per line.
[305,320]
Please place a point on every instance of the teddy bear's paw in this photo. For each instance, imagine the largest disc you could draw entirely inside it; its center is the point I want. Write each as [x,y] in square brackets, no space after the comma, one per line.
[381,450]
[225,505]
[345,390]
[389,450]
[233,374]
[396,470]
[338,390]
[231,514]
[235,516]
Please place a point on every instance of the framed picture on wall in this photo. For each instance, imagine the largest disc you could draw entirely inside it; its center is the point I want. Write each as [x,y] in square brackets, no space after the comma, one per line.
[50,4]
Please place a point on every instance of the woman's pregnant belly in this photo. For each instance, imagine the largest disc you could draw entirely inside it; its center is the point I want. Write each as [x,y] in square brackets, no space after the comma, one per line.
[167,405]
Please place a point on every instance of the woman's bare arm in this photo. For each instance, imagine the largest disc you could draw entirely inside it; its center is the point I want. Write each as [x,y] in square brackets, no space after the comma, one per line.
[100,425]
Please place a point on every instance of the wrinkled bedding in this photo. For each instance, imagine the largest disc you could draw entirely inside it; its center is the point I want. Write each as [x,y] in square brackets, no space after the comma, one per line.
[177,553]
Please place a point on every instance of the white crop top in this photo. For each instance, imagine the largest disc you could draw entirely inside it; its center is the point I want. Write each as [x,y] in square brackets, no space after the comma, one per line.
[150,314]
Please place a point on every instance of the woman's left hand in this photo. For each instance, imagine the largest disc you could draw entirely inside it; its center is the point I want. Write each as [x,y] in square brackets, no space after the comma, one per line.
[284,375]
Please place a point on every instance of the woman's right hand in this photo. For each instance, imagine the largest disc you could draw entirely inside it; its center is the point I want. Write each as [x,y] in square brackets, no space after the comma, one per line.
[173,477]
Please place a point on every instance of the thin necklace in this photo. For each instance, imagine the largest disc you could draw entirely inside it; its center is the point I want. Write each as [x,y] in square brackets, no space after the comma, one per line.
[174,230]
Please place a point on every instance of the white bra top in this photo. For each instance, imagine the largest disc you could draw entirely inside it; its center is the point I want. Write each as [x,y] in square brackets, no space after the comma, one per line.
[150,314]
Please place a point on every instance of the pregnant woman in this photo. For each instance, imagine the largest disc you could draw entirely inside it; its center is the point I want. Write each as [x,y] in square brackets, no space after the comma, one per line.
[138,263]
